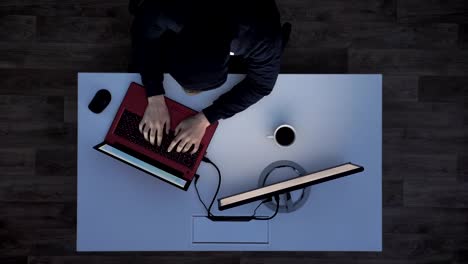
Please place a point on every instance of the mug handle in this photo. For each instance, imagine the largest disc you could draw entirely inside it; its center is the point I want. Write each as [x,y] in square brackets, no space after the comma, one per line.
[272,137]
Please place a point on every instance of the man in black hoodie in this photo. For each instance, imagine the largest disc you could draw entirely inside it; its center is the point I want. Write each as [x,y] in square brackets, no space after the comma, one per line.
[193,41]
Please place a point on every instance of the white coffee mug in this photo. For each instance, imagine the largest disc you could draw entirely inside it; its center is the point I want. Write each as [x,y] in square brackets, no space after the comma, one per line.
[275,134]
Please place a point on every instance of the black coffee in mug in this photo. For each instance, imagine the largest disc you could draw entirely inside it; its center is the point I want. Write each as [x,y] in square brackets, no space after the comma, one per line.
[285,136]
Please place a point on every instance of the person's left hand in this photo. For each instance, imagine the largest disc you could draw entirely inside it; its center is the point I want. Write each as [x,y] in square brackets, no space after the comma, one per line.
[190,132]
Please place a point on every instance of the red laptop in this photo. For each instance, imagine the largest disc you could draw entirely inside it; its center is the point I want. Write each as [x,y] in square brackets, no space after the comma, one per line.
[125,142]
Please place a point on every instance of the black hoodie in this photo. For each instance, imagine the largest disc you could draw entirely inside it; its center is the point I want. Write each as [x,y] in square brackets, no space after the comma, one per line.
[192,41]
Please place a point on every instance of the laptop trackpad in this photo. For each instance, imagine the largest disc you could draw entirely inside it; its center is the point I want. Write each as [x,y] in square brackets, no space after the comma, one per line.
[207,231]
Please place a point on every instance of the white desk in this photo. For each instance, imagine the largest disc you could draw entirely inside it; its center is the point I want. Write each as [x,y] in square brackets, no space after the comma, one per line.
[338,119]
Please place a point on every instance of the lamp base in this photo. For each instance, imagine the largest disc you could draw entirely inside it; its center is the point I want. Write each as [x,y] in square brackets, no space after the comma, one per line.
[287,203]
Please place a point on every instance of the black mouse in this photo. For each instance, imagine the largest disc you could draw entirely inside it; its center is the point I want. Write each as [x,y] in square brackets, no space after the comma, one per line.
[100,101]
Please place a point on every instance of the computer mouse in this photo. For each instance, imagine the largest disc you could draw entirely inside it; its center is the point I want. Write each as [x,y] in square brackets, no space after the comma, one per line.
[100,101]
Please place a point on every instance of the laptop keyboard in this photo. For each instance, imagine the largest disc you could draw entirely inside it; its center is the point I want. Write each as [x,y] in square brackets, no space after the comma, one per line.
[128,129]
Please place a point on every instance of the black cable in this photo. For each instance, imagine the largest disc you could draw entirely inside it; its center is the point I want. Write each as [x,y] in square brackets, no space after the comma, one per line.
[208,209]
[198,194]
[206,159]
[230,218]
[256,208]
[270,217]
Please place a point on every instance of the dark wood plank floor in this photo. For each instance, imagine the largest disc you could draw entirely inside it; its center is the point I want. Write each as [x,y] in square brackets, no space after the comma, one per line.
[421,47]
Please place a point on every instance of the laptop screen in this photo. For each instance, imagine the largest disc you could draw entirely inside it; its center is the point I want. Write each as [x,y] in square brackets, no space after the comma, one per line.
[108,149]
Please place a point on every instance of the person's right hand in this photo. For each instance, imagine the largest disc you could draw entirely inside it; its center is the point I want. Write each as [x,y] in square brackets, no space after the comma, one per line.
[155,118]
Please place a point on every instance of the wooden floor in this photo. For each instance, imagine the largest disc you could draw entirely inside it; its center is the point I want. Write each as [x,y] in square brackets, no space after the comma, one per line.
[421,47]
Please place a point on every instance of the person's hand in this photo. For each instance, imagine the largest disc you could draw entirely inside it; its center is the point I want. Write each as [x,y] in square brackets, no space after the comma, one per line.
[155,118]
[190,132]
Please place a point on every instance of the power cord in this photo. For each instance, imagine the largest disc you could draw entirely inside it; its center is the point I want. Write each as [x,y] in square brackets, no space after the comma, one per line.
[231,218]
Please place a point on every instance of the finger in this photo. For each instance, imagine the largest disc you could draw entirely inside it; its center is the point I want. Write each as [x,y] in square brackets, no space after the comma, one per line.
[145,132]
[160,135]
[178,129]
[187,147]
[141,125]
[173,143]
[152,135]
[182,145]
[168,126]
[195,149]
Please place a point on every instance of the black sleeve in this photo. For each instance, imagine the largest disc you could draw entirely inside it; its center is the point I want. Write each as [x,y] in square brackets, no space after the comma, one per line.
[147,32]
[263,66]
